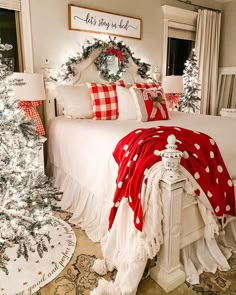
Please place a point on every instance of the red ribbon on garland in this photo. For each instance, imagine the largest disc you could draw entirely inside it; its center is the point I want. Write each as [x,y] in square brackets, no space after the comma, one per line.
[29,107]
[117,53]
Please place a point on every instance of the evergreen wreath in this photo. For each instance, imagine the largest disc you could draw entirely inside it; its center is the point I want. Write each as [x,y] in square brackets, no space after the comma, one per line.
[68,70]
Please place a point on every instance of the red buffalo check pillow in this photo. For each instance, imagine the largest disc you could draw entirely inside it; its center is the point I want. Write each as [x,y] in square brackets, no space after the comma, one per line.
[118,83]
[104,101]
[150,103]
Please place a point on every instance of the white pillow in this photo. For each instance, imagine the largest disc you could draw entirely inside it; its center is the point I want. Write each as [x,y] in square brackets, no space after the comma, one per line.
[126,104]
[75,101]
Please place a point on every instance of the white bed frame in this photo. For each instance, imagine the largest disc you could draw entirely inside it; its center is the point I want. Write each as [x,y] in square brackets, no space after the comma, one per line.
[182,222]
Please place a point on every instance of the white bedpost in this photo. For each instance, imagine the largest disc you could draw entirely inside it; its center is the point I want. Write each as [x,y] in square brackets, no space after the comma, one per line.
[168,273]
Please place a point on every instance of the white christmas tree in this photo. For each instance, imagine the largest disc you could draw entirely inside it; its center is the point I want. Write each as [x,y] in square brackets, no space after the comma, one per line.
[190,100]
[26,194]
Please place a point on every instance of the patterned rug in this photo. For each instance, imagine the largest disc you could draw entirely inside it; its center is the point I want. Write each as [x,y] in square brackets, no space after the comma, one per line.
[78,278]
[222,282]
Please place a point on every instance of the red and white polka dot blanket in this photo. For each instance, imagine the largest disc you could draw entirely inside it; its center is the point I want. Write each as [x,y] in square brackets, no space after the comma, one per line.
[139,150]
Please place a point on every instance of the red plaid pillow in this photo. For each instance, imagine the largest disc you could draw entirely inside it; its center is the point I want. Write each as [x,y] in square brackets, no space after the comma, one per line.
[150,103]
[119,83]
[104,101]
[148,85]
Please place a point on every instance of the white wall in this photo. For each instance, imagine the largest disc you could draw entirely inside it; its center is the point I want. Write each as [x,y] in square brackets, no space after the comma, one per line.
[52,39]
[228,35]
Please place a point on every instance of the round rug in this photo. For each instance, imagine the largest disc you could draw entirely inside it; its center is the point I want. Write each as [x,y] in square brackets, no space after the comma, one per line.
[27,277]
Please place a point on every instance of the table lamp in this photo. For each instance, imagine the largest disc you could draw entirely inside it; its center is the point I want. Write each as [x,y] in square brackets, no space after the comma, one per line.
[173,88]
[30,95]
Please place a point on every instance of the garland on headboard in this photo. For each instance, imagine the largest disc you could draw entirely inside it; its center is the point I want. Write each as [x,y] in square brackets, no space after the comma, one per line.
[68,69]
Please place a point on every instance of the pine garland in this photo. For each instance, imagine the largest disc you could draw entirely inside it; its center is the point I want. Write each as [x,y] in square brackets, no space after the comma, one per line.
[189,99]
[68,70]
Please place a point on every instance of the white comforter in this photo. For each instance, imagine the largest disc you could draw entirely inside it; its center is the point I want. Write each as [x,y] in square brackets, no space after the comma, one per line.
[83,148]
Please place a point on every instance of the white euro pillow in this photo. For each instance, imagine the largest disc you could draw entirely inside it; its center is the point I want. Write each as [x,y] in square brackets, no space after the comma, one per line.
[75,100]
[126,105]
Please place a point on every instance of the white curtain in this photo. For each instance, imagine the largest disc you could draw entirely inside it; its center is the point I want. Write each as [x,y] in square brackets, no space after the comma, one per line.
[226,97]
[207,51]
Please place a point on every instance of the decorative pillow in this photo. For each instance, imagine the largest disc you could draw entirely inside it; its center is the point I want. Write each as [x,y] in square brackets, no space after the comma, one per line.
[126,105]
[75,101]
[151,104]
[104,101]
[148,85]
[119,83]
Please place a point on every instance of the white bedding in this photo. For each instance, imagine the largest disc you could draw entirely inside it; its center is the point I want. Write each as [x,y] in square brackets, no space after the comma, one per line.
[80,153]
[90,143]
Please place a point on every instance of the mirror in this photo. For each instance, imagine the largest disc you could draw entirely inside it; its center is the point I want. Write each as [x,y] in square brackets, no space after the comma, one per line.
[110,63]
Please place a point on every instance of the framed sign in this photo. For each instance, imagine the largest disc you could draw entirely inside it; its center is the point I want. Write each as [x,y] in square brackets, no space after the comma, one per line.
[97,21]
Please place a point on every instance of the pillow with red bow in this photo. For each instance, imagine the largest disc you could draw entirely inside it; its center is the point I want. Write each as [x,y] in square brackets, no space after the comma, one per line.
[150,103]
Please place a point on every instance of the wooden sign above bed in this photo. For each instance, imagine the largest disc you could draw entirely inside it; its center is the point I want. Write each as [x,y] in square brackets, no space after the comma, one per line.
[98,21]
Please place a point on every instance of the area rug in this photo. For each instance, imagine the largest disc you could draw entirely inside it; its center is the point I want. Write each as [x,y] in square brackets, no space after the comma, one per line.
[222,282]
[26,277]
[78,278]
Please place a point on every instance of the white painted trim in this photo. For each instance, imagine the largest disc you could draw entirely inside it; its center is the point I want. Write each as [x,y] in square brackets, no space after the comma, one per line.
[180,15]
[26,36]
[10,4]
[178,18]
[227,70]
[181,26]
[165,46]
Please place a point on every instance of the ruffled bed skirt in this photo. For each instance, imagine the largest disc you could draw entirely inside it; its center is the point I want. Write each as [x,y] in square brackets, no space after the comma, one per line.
[87,211]
[209,255]
[91,215]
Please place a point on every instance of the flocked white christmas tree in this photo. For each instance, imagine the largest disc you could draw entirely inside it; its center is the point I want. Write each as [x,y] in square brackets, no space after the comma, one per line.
[26,194]
[190,101]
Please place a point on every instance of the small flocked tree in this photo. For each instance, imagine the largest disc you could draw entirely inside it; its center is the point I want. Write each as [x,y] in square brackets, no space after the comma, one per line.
[26,194]
[190,101]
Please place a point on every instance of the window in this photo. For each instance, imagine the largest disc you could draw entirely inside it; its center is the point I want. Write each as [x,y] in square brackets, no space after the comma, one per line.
[9,33]
[15,16]
[179,39]
[178,51]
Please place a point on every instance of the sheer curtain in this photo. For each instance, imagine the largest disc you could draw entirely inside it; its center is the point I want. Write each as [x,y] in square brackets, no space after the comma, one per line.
[207,51]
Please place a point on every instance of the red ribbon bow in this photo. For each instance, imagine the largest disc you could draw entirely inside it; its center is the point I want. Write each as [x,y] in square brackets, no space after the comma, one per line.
[117,53]
[173,99]
[29,107]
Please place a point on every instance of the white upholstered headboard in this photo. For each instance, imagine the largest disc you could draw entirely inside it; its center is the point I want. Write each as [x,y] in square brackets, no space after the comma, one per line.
[85,70]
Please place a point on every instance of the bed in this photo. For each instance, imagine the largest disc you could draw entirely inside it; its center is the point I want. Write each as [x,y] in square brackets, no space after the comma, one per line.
[180,230]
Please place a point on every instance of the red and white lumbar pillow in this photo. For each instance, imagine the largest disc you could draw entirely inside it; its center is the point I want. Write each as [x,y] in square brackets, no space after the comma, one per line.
[148,85]
[150,103]
[104,101]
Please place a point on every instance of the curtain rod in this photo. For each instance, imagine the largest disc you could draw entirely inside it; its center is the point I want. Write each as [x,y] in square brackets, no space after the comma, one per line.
[199,6]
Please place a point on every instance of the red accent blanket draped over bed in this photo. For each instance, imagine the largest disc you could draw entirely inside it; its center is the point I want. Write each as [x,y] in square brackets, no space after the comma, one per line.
[138,151]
